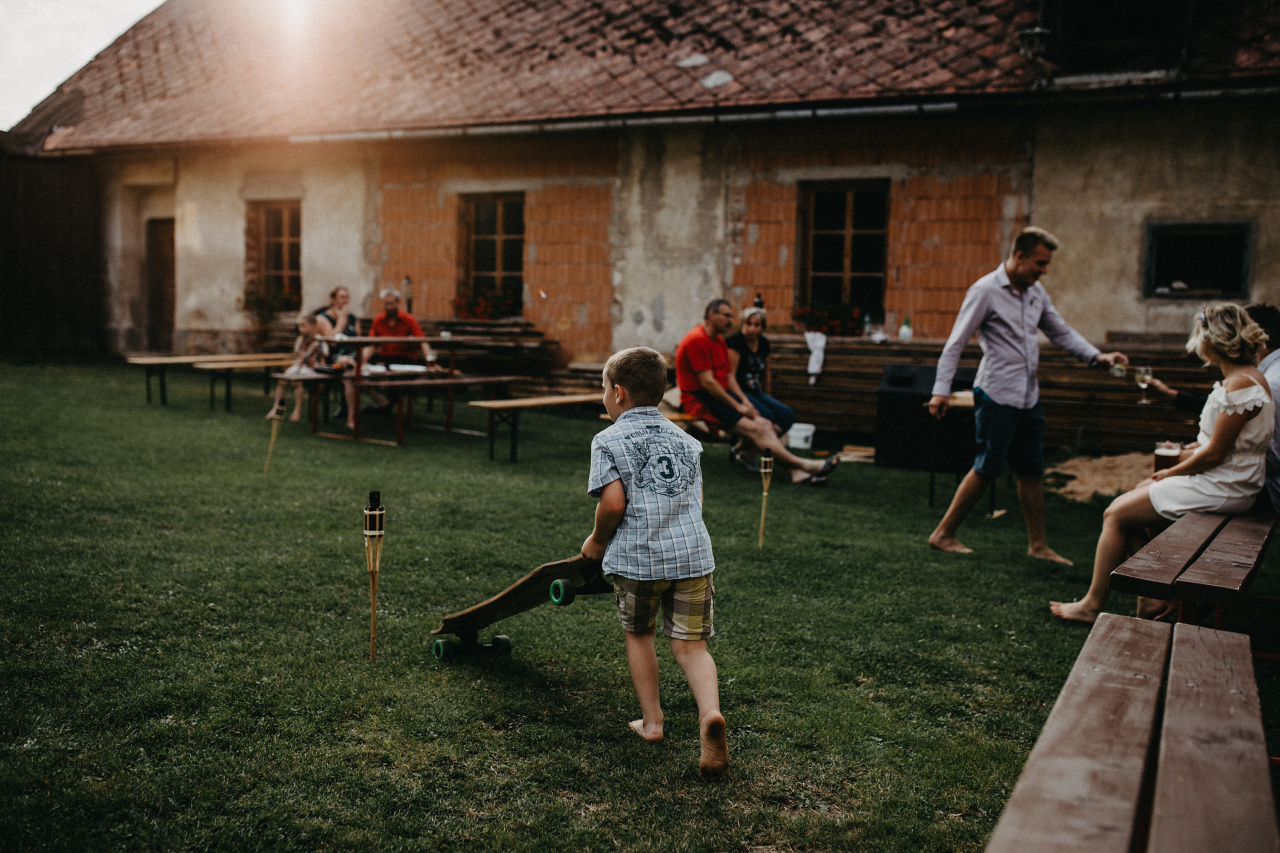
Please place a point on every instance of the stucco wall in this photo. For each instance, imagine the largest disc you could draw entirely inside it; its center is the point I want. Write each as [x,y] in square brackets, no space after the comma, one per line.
[669,235]
[1103,174]
[207,195]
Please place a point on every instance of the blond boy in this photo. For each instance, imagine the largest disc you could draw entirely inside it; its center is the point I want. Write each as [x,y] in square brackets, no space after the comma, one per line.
[655,548]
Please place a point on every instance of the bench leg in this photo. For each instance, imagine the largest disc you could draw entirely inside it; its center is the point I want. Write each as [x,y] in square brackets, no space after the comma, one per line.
[227,390]
[213,389]
[164,393]
[515,432]
[147,369]
[491,426]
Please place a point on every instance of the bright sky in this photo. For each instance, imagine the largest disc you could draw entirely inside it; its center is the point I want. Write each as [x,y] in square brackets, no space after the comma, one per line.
[43,42]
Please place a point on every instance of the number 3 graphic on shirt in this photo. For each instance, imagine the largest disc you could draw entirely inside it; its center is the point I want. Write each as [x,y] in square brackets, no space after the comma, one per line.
[666,469]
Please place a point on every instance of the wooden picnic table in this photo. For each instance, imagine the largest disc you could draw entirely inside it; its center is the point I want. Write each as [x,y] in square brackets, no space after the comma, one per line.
[1156,743]
[508,412]
[157,365]
[409,383]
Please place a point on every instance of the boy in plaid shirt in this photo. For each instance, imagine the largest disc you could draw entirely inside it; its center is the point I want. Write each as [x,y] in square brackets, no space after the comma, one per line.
[655,548]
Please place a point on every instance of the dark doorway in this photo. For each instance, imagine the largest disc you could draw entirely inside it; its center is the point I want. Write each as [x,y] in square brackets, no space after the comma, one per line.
[160,284]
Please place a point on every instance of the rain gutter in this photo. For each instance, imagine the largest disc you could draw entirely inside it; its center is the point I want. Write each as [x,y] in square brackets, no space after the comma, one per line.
[528,128]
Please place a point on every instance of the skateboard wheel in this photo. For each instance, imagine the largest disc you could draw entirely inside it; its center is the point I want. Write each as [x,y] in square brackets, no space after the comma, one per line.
[443,650]
[562,592]
[501,644]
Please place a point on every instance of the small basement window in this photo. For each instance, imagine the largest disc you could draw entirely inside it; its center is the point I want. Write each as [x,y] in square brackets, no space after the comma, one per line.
[1198,260]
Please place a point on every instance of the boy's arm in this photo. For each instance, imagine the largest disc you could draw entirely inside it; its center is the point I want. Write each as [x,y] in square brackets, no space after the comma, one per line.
[613,503]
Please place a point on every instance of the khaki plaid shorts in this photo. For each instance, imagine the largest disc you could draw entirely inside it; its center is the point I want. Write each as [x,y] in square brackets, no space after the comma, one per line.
[687,606]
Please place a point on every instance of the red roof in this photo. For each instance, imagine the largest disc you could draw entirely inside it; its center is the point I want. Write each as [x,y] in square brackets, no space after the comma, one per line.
[227,70]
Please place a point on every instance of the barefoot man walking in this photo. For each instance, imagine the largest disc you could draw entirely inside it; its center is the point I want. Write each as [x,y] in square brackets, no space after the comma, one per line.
[1008,309]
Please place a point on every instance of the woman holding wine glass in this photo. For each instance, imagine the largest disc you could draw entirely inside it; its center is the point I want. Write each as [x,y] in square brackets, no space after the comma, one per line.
[1224,473]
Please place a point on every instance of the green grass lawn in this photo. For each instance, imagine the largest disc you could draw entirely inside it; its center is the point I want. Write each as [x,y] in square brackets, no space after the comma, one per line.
[184,645]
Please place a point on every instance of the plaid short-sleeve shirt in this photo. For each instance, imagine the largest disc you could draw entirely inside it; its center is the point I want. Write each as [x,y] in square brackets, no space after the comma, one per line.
[661,536]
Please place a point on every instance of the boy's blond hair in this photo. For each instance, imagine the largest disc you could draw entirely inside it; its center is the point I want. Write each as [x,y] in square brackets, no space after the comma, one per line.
[642,371]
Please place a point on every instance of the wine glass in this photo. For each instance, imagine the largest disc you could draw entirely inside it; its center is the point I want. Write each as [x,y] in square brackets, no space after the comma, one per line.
[1143,377]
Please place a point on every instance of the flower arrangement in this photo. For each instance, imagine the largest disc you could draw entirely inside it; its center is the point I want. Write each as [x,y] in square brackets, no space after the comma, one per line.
[843,320]
[488,303]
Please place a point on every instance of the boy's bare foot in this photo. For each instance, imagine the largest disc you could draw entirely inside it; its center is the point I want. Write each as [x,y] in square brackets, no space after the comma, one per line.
[653,734]
[1073,612]
[295,417]
[715,747]
[1047,553]
[948,543]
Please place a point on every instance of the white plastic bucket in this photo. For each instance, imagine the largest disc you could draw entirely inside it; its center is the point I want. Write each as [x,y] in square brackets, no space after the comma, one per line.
[800,436]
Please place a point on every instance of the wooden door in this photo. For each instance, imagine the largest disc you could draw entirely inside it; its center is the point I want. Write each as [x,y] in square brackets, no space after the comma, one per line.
[160,284]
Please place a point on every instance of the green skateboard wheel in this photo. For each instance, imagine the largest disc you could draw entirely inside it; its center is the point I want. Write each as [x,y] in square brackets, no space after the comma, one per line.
[501,644]
[443,650]
[562,593]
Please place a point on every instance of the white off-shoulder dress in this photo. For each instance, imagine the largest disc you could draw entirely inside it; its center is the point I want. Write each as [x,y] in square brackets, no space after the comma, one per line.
[1231,486]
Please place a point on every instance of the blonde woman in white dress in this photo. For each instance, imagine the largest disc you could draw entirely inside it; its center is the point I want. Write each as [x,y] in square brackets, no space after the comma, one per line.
[1223,471]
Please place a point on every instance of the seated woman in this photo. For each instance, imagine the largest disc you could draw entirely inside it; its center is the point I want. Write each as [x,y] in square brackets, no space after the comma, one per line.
[337,319]
[1225,472]
[749,360]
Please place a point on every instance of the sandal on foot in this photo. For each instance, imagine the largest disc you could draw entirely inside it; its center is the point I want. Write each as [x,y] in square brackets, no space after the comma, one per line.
[813,480]
[829,466]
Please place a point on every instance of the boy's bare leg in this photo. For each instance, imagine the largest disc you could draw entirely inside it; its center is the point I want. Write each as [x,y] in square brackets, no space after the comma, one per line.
[962,503]
[642,660]
[700,671]
[1031,496]
[764,435]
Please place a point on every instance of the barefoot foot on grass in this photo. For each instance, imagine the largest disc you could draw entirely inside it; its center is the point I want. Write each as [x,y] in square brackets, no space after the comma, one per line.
[1047,553]
[1076,611]
[653,734]
[715,747]
[295,417]
[949,544]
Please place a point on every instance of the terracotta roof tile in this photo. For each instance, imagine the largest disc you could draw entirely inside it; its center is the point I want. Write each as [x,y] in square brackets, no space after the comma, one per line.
[209,70]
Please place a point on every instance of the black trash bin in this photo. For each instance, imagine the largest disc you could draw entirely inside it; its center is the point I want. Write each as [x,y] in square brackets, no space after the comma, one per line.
[905,432]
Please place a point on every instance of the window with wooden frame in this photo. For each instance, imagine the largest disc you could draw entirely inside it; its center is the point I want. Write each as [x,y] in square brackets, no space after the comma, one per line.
[492,276]
[1197,260]
[844,232]
[273,254]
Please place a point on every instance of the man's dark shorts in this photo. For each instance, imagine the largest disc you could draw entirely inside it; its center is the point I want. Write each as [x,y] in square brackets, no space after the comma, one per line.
[724,413]
[1008,436]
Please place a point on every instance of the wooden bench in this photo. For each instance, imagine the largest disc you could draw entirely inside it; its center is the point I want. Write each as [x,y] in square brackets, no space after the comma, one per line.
[1114,771]
[508,412]
[1202,558]
[157,365]
[224,369]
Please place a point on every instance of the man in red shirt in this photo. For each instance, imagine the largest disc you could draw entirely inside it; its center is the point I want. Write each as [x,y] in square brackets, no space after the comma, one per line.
[394,323]
[391,323]
[709,390]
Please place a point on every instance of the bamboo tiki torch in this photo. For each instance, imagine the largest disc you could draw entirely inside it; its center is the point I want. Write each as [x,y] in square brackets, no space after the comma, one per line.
[374,527]
[277,418]
[766,474]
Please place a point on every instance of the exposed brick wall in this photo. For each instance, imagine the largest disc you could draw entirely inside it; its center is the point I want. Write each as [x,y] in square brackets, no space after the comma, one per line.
[944,234]
[958,195]
[567,250]
[567,258]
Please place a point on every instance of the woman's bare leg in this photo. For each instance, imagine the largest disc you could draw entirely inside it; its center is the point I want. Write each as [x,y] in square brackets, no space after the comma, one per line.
[1131,511]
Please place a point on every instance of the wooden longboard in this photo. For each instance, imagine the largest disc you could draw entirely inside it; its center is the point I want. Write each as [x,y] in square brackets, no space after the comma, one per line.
[580,574]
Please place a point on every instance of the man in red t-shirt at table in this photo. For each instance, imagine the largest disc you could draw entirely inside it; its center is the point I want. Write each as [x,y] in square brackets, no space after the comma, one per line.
[709,390]
[391,323]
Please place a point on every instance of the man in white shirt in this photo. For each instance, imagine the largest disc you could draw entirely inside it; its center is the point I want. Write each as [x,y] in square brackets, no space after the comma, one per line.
[1008,308]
